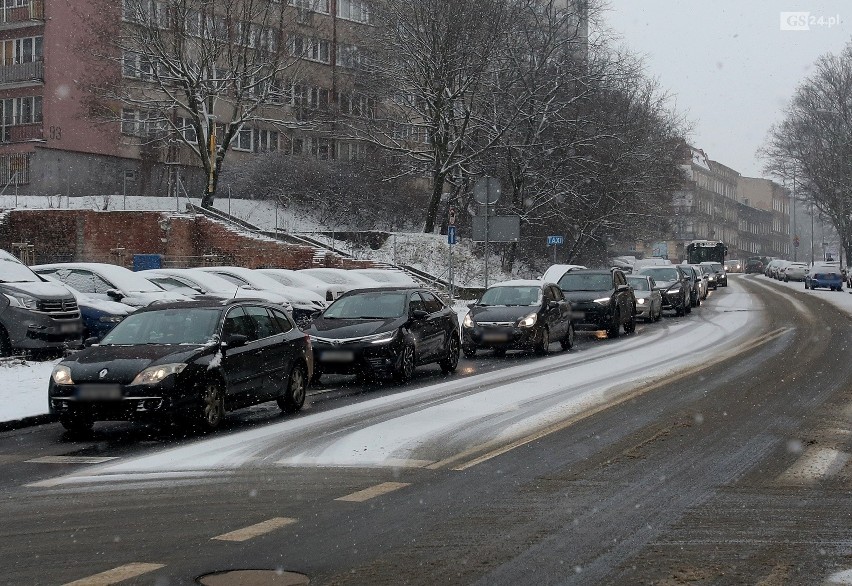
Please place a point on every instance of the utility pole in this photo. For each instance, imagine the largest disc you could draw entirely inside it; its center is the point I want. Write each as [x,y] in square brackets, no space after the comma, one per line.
[795,234]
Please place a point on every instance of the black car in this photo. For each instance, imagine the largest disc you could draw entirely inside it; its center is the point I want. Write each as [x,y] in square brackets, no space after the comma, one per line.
[385,331]
[600,299]
[517,315]
[673,285]
[187,362]
[691,275]
[754,265]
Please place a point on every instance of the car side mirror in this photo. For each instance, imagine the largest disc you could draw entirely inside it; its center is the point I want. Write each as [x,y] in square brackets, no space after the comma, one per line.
[115,294]
[418,314]
[89,342]
[234,341]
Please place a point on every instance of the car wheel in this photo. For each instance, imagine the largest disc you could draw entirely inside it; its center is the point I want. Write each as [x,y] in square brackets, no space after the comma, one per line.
[211,410]
[568,341]
[680,310]
[786,279]
[687,308]
[451,361]
[543,343]
[469,351]
[77,424]
[614,326]
[294,394]
[630,326]
[405,366]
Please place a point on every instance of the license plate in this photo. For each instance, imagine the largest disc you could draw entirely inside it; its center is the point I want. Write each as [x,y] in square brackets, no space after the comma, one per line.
[69,328]
[495,337]
[337,356]
[99,392]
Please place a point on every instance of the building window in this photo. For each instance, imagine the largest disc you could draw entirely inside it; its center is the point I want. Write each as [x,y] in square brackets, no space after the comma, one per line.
[267,141]
[311,5]
[357,10]
[244,140]
[25,50]
[26,110]
[187,130]
[321,149]
[312,49]
[351,151]
[131,122]
[349,56]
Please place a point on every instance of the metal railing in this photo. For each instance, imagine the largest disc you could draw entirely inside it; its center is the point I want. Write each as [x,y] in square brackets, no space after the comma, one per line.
[21,132]
[20,72]
[15,169]
[32,10]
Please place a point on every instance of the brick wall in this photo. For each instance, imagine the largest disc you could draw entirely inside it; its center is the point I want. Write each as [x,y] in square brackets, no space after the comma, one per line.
[183,240]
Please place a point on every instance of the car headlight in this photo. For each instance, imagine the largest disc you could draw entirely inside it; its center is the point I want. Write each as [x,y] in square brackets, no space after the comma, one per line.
[468,321]
[602,301]
[62,375]
[677,289]
[382,338]
[22,300]
[155,374]
[528,321]
[640,302]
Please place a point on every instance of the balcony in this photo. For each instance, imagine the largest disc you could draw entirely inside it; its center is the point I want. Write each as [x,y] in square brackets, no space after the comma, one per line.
[22,74]
[20,16]
[21,133]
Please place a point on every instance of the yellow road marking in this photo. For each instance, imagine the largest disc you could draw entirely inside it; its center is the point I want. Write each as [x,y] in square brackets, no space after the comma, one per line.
[372,492]
[116,575]
[256,530]
[494,452]
[71,460]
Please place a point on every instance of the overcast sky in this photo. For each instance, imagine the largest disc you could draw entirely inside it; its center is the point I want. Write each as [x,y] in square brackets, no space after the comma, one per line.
[729,64]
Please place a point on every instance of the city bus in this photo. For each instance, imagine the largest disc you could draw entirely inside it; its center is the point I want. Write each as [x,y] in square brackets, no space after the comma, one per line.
[699,251]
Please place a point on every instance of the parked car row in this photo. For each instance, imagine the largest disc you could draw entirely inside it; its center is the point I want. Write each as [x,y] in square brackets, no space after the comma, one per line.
[822,274]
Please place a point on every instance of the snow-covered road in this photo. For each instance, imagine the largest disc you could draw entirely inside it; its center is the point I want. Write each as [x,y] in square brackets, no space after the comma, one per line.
[455,421]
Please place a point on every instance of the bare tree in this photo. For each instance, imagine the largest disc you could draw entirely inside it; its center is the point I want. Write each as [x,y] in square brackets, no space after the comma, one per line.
[195,72]
[434,60]
[813,144]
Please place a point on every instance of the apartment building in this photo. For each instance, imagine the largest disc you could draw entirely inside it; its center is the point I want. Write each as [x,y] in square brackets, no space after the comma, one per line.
[751,215]
[51,144]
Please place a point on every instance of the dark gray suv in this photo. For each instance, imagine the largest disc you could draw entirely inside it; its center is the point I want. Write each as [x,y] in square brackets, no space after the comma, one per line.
[35,314]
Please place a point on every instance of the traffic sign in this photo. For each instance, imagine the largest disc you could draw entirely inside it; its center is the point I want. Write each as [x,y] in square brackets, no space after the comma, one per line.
[486,191]
[451,235]
[555,240]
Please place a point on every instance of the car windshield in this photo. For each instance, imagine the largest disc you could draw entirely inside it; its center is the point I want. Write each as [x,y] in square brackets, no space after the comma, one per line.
[522,295]
[638,283]
[369,305]
[168,326]
[586,282]
[13,271]
[661,273]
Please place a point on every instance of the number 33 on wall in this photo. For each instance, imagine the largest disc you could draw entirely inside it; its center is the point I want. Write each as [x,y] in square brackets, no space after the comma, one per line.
[55,132]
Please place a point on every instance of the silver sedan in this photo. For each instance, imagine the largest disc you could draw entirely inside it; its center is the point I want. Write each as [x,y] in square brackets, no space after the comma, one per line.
[649,300]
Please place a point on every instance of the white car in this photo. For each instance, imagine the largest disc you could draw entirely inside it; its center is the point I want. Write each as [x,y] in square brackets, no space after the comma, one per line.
[300,280]
[345,278]
[110,283]
[795,271]
[388,277]
[304,303]
[200,283]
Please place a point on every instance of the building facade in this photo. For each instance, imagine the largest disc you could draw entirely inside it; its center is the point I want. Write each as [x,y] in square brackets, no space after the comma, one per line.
[751,215]
[51,144]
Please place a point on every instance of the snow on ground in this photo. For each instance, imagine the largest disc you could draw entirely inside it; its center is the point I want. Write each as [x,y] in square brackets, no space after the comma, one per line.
[23,388]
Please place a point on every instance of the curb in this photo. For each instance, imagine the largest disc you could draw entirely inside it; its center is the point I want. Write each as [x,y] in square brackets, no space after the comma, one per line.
[27,422]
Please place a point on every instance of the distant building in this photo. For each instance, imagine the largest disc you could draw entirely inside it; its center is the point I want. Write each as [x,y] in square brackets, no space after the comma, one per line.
[751,215]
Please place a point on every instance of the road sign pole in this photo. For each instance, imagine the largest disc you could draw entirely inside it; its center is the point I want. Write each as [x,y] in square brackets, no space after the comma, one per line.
[554,253]
[486,244]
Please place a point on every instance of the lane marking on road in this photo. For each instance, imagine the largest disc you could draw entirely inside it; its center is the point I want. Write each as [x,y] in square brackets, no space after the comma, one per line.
[71,460]
[492,452]
[125,478]
[257,529]
[388,462]
[814,465]
[372,492]
[116,575]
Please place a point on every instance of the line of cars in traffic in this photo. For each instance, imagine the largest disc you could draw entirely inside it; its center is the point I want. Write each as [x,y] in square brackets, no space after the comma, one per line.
[822,274]
[190,344]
